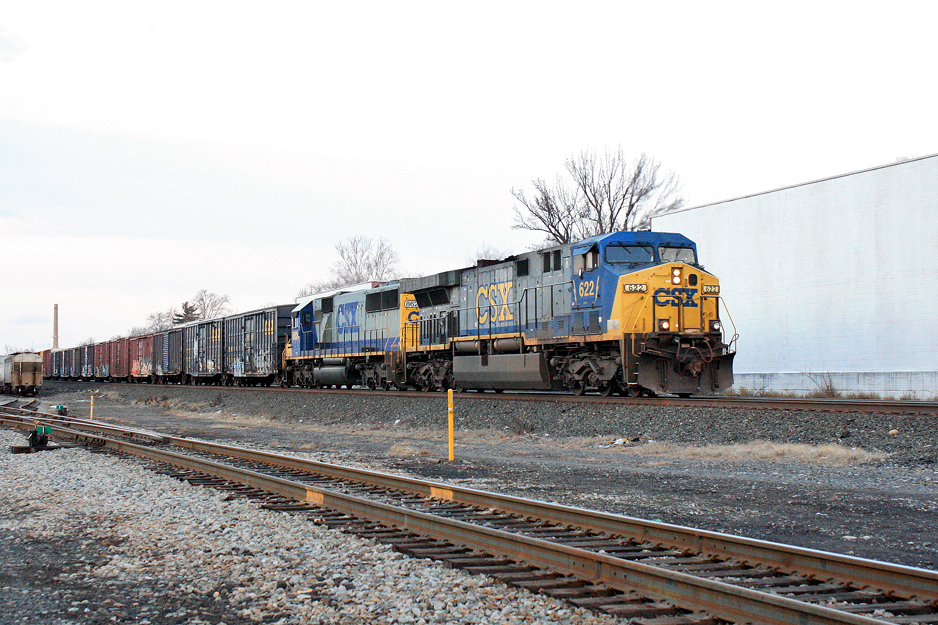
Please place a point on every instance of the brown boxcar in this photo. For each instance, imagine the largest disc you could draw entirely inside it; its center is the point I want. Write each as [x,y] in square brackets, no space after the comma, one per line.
[140,349]
[120,359]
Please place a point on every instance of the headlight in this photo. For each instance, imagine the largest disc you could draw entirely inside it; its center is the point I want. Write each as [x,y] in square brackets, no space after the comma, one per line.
[664,325]
[675,275]
[715,325]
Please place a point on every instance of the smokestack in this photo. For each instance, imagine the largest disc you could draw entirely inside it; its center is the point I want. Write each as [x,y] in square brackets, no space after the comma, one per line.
[55,329]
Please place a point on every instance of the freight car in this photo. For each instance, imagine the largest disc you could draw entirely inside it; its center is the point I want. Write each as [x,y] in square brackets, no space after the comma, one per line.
[626,312]
[21,373]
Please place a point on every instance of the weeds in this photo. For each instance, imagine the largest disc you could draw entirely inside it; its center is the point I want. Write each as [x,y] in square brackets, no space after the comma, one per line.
[825,387]
[764,451]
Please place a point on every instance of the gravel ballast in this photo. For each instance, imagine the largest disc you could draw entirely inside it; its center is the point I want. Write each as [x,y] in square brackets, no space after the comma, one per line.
[680,466]
[90,538]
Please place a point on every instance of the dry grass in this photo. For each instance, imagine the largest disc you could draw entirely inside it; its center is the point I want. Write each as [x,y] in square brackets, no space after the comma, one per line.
[402,450]
[762,451]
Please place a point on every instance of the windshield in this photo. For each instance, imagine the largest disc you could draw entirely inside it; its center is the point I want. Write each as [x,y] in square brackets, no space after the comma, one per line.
[671,254]
[630,254]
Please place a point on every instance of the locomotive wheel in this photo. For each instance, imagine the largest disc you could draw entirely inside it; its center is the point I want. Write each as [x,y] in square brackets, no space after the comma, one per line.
[578,389]
[607,389]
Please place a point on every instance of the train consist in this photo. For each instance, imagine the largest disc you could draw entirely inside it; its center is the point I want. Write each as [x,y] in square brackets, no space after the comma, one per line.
[627,312]
[21,373]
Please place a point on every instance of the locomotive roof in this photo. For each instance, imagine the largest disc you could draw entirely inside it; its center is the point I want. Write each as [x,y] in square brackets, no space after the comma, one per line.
[634,238]
[304,301]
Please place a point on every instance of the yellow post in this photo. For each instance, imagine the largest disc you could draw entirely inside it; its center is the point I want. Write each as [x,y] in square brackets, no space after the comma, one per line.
[452,442]
[91,416]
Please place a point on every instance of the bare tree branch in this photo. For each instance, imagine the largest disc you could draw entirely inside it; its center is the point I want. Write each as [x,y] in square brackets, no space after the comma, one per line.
[159,321]
[361,259]
[555,212]
[607,194]
[211,305]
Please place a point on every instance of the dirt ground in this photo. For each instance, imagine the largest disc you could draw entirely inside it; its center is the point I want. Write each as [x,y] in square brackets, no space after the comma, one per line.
[866,501]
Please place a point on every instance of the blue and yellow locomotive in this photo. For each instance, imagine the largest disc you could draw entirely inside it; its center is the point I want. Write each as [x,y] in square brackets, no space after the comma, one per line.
[626,312]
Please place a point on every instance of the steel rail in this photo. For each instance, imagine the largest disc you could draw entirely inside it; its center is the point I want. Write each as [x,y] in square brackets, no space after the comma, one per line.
[687,591]
[906,582]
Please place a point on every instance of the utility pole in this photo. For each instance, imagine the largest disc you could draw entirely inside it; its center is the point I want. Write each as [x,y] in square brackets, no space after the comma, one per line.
[55,329]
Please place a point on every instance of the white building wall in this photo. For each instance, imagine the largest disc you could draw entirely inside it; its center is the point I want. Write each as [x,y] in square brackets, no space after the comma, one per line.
[829,280]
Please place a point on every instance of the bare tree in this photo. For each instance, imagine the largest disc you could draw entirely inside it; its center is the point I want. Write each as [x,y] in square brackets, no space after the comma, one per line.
[602,195]
[159,321]
[361,259]
[555,212]
[211,305]
[88,341]
[138,331]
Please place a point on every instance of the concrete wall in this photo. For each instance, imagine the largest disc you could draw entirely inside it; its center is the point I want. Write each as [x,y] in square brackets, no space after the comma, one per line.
[831,278]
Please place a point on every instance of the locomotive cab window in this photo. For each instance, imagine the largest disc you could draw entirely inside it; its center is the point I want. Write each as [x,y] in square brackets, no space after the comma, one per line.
[630,254]
[587,261]
[673,254]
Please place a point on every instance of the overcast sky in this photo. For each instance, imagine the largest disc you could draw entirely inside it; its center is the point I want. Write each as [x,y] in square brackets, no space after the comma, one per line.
[151,149]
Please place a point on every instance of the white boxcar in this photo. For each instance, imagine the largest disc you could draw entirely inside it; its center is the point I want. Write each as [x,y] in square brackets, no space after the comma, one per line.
[21,373]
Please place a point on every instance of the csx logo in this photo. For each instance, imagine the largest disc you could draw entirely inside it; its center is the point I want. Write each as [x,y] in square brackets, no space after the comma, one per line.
[347,317]
[676,297]
[492,302]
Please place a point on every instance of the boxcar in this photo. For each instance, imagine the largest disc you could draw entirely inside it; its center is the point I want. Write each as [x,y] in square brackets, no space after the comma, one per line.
[21,373]
[254,342]
[72,363]
[87,362]
[140,351]
[167,356]
[102,360]
[56,371]
[204,351]
[120,359]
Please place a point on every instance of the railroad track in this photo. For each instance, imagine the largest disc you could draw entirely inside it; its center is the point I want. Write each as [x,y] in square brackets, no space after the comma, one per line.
[649,571]
[712,401]
[30,406]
